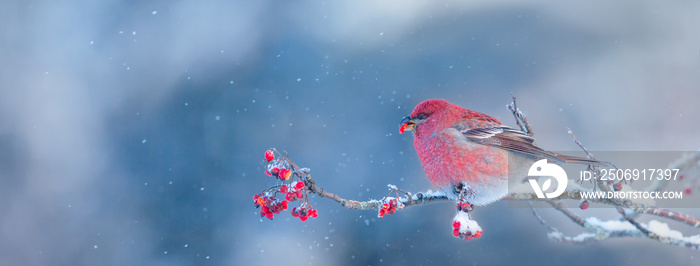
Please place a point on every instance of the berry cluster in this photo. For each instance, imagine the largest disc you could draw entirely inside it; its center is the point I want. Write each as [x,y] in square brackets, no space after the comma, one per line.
[455,231]
[270,205]
[293,188]
[388,208]
[304,213]
[294,193]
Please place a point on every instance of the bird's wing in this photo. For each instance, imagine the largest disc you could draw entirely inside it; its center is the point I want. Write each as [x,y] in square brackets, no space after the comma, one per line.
[508,138]
[505,137]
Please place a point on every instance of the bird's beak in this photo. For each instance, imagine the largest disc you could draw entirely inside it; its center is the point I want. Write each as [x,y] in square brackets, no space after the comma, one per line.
[406,124]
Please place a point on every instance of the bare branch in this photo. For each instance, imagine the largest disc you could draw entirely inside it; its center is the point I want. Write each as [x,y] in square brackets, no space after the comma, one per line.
[595,230]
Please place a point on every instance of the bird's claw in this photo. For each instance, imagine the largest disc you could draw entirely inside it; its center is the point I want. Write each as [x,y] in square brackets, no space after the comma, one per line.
[464,191]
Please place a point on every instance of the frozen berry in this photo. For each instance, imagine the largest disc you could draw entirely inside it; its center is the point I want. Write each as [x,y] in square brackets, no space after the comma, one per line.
[290,196]
[617,186]
[584,205]
[285,174]
[299,185]
[284,189]
[478,234]
[269,155]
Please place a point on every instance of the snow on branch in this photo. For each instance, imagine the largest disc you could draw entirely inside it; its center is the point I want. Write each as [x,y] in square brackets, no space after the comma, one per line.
[297,183]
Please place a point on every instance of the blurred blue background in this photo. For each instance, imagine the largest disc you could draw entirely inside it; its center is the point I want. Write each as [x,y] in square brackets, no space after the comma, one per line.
[133,132]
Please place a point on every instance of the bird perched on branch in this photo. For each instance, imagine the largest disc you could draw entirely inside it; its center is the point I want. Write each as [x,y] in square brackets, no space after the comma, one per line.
[467,154]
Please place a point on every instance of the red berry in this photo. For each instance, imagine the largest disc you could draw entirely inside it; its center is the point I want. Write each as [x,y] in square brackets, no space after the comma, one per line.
[299,194]
[382,212]
[314,213]
[617,186]
[290,196]
[455,232]
[269,215]
[299,185]
[385,206]
[469,237]
[268,173]
[269,155]
[295,213]
[456,224]
[687,191]
[275,171]
[284,188]
[584,205]
[303,218]
[285,174]
[466,206]
[478,234]
[255,199]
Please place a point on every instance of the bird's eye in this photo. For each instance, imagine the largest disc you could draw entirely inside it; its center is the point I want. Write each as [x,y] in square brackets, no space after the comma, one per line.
[421,116]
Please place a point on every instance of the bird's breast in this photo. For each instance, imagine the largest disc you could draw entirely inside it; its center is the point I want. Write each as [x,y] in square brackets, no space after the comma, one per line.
[449,158]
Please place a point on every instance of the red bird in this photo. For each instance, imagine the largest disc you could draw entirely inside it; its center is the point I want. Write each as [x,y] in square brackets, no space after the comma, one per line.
[466,155]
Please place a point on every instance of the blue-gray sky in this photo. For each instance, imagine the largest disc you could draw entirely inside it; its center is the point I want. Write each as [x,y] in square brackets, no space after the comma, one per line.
[133,132]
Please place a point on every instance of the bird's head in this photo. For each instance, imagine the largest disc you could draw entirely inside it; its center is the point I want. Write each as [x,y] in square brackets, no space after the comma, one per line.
[424,111]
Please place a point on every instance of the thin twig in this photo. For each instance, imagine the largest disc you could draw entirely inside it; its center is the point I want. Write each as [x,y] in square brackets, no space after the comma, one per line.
[520,117]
